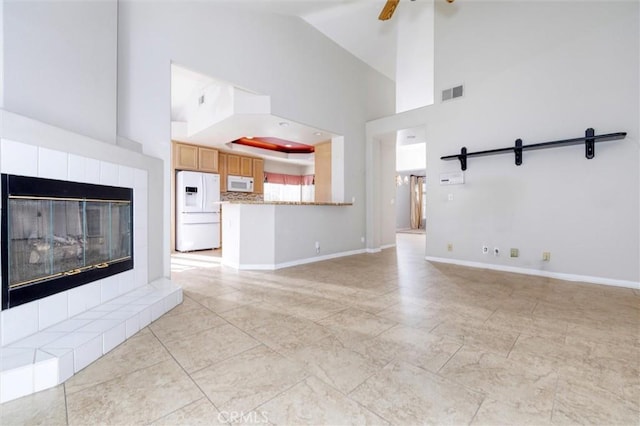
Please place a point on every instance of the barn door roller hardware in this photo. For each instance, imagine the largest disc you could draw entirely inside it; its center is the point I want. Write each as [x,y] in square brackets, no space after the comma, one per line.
[589,139]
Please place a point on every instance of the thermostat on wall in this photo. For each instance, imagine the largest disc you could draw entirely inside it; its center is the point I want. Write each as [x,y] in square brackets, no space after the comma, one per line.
[453,178]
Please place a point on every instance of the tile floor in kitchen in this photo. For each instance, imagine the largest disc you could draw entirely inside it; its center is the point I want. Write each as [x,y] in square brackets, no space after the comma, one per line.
[384,338]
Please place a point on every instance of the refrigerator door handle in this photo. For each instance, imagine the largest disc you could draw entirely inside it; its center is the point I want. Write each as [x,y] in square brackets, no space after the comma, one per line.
[204,193]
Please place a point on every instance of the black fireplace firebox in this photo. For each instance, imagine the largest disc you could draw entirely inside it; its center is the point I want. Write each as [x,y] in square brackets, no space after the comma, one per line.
[57,235]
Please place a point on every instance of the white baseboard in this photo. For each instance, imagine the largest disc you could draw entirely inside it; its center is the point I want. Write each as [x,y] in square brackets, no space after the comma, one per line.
[274,266]
[233,265]
[386,246]
[537,272]
[373,250]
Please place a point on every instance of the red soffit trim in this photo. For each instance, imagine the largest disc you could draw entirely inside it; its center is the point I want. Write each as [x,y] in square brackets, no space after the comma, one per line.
[276,144]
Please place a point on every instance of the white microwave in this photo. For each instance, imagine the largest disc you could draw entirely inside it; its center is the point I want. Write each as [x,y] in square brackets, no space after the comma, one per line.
[239,184]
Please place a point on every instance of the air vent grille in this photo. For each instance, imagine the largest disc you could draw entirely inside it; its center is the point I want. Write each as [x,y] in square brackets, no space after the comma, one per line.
[452,93]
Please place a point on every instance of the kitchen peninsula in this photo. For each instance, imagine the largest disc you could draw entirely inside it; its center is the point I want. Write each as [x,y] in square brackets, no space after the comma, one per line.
[273,235]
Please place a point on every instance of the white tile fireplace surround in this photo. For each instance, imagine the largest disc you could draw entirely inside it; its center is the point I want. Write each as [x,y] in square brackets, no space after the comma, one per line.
[45,342]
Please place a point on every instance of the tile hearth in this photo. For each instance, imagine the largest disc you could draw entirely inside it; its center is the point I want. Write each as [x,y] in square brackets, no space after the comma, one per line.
[51,356]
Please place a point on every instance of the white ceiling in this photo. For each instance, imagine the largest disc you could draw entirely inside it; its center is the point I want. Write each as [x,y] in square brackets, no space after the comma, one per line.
[355,27]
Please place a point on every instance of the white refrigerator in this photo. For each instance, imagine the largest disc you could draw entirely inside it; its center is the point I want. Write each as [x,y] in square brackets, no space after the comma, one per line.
[198,211]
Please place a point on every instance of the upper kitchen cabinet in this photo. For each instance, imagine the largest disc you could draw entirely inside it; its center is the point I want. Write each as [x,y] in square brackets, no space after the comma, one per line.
[258,175]
[239,165]
[246,166]
[185,157]
[222,167]
[191,157]
[208,160]
[233,165]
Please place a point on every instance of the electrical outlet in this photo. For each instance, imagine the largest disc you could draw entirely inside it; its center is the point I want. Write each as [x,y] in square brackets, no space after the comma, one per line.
[496,251]
[485,249]
[449,247]
[317,246]
[515,252]
[362,239]
[546,256]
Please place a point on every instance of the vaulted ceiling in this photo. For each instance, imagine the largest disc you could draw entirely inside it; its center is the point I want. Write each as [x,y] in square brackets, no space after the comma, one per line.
[352,24]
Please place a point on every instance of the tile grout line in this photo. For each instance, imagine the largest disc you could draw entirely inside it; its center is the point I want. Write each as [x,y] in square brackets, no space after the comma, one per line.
[534,307]
[245,332]
[229,357]
[348,396]
[112,378]
[280,393]
[513,345]
[188,375]
[477,410]
[489,317]
[449,359]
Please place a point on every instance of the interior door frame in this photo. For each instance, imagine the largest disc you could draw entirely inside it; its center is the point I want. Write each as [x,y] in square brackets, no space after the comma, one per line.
[374,132]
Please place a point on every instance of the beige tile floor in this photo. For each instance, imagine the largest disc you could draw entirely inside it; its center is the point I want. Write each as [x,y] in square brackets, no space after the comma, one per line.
[382,338]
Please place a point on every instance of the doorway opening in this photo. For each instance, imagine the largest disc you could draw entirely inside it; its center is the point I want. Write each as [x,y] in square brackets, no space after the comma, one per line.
[411,185]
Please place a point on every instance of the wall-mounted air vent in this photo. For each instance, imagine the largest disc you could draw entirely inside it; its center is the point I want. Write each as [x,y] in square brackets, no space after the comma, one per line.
[452,93]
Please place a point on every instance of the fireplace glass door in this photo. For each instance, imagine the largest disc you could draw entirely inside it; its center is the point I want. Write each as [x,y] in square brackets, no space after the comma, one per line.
[53,237]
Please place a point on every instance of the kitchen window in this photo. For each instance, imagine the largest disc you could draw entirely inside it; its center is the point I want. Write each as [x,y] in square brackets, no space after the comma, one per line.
[293,188]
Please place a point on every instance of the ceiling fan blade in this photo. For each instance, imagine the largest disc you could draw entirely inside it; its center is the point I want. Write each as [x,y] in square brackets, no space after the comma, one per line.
[388,9]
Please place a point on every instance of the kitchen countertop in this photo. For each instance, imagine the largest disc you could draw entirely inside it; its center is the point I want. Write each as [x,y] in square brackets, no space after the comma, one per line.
[285,203]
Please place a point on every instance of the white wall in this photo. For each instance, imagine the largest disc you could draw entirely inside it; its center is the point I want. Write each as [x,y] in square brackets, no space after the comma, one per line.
[297,228]
[310,79]
[414,61]
[275,236]
[538,71]
[248,234]
[60,64]
[388,192]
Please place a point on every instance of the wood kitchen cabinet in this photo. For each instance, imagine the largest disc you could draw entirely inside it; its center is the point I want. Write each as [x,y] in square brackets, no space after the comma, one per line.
[246,166]
[222,169]
[185,157]
[240,165]
[233,164]
[191,157]
[323,172]
[208,160]
[258,176]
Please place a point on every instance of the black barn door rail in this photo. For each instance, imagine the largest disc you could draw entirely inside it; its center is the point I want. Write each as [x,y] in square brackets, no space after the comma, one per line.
[589,139]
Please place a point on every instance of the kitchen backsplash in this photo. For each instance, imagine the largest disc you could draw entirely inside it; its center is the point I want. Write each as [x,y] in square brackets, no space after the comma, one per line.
[244,196]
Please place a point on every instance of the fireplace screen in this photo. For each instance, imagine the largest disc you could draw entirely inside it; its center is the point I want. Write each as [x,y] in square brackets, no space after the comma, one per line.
[52,237]
[56,240]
